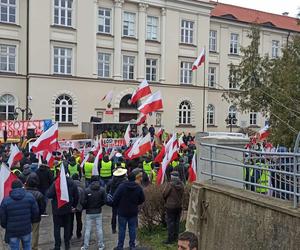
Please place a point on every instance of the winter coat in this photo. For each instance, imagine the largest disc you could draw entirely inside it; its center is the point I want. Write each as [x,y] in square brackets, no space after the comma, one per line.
[95,198]
[17,212]
[114,184]
[40,199]
[81,194]
[173,194]
[46,177]
[128,196]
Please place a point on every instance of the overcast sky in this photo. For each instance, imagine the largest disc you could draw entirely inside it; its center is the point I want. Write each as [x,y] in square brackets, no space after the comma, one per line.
[273,6]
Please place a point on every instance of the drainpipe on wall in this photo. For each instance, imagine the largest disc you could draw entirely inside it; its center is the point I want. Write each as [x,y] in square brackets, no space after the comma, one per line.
[27,60]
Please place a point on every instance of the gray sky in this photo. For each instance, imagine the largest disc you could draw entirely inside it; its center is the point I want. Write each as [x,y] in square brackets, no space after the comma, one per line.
[273,6]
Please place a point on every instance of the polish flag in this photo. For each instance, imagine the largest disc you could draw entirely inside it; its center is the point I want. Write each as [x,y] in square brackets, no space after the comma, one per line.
[108,97]
[142,91]
[61,188]
[264,133]
[139,148]
[159,133]
[6,179]
[200,59]
[153,103]
[95,170]
[82,154]
[84,160]
[127,135]
[193,170]
[141,119]
[133,149]
[112,153]
[49,158]
[162,171]
[160,155]
[47,141]
[15,155]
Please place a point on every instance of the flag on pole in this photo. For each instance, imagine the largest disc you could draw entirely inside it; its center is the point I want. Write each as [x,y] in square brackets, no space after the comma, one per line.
[6,179]
[108,97]
[142,91]
[141,119]
[61,188]
[160,155]
[264,133]
[181,142]
[112,153]
[127,135]
[193,170]
[200,59]
[139,148]
[15,155]
[84,160]
[95,170]
[159,133]
[151,104]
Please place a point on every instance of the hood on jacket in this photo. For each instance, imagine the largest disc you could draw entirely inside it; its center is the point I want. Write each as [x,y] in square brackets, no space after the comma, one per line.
[95,185]
[130,185]
[32,180]
[177,183]
[77,183]
[26,169]
[17,193]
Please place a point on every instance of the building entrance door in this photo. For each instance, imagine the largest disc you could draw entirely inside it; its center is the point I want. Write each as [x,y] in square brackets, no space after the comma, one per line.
[127,110]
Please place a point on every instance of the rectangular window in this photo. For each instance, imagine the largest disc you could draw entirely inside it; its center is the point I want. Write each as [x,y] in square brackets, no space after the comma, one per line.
[275,49]
[104,64]
[212,76]
[151,70]
[62,61]
[104,18]
[7,58]
[8,10]
[128,67]
[234,43]
[152,28]
[253,118]
[63,12]
[187,31]
[158,119]
[129,24]
[185,72]
[213,40]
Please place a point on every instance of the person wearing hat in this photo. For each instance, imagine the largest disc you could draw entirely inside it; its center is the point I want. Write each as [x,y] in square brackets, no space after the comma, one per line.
[128,196]
[17,212]
[119,176]
[173,195]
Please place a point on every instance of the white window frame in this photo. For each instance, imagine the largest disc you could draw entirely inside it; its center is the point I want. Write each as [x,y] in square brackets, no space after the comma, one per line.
[66,10]
[7,104]
[149,77]
[60,48]
[9,8]
[64,103]
[158,119]
[234,44]
[131,24]
[275,48]
[185,113]
[213,40]
[104,63]
[8,55]
[210,118]
[187,31]
[232,112]
[212,76]
[104,18]
[126,62]
[186,76]
[253,118]
[152,32]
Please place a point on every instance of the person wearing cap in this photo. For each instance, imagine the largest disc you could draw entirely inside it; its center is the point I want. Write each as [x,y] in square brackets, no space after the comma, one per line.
[128,196]
[119,176]
[17,213]
[173,195]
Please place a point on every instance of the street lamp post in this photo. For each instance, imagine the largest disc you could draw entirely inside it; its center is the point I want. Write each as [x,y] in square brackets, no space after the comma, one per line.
[23,111]
[230,120]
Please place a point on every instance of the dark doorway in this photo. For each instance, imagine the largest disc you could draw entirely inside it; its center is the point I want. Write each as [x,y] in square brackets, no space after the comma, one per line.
[128,111]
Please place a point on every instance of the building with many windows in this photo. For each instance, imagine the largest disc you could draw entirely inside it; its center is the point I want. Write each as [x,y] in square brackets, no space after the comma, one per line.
[60,57]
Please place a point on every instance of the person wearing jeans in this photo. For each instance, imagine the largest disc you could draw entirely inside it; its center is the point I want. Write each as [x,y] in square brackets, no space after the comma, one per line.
[132,222]
[97,218]
[14,243]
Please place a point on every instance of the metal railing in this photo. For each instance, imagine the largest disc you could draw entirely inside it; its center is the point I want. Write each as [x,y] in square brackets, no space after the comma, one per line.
[275,174]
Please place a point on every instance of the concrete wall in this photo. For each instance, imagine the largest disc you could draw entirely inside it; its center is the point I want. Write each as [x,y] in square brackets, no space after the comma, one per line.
[237,219]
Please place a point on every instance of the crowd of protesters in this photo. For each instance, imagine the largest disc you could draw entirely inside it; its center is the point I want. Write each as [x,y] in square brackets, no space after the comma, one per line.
[119,185]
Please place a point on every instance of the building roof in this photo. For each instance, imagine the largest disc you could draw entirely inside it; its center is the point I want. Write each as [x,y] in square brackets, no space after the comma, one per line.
[236,13]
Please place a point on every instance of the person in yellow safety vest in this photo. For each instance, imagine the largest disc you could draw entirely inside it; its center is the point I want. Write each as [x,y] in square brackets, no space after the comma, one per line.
[248,171]
[262,178]
[175,163]
[88,168]
[76,155]
[153,176]
[147,166]
[55,167]
[74,168]
[106,170]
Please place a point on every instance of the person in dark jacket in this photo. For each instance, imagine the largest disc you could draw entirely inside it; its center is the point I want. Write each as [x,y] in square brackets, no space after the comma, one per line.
[119,176]
[126,199]
[95,198]
[31,186]
[17,212]
[62,216]
[173,194]
[26,172]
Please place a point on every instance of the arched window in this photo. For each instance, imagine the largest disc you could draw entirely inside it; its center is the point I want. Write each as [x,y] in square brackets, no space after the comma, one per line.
[64,109]
[210,114]
[232,113]
[185,108]
[7,107]
[126,104]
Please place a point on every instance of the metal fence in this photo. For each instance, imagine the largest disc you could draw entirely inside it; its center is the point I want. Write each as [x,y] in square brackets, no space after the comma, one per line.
[275,174]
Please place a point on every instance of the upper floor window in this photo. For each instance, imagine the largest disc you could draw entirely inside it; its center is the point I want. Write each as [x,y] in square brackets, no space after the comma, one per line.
[104,64]
[104,17]
[232,115]
[187,31]
[213,40]
[8,11]
[62,61]
[234,43]
[64,109]
[253,118]
[63,12]
[129,24]
[210,114]
[185,110]
[7,107]
[151,70]
[186,72]
[152,28]
[212,75]
[128,67]
[275,49]
[7,58]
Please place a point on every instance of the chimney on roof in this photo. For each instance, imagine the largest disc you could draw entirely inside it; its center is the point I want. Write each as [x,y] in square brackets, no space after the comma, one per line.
[285,13]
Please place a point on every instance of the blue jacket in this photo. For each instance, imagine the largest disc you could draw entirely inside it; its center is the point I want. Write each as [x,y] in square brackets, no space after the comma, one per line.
[128,196]
[17,212]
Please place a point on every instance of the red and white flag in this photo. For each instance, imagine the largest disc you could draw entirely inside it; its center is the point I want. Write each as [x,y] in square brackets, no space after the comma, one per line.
[6,179]
[200,59]
[160,155]
[49,158]
[108,97]
[15,155]
[264,133]
[193,170]
[159,133]
[141,119]
[47,141]
[127,135]
[139,148]
[84,160]
[61,188]
[142,91]
[162,171]
[151,104]
[95,170]
[112,153]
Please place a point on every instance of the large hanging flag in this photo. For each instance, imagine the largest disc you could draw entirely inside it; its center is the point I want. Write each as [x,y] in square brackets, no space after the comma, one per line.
[109,96]
[151,104]
[127,135]
[193,170]
[141,119]
[6,179]
[139,148]
[61,188]
[15,155]
[264,133]
[200,59]
[142,91]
